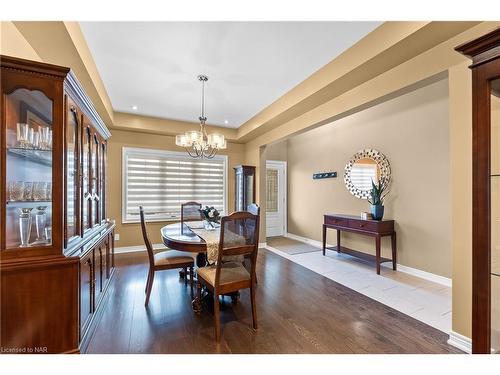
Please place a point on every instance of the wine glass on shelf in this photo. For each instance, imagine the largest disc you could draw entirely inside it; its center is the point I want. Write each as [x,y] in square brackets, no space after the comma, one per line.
[22,134]
[16,190]
[40,221]
[27,191]
[39,191]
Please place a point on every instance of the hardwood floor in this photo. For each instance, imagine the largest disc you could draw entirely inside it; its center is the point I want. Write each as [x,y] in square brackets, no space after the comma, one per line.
[298,311]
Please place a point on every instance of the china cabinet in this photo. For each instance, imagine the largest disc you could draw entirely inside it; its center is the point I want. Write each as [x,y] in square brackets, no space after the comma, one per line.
[56,254]
[485,54]
[244,187]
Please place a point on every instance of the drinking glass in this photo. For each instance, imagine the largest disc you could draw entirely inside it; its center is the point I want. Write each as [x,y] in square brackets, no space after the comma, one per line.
[35,143]
[31,138]
[16,190]
[39,190]
[28,191]
[48,191]
[49,142]
[25,225]
[44,137]
[40,221]
[22,134]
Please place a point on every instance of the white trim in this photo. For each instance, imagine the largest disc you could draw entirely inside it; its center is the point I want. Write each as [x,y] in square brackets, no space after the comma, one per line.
[409,270]
[164,153]
[422,274]
[306,240]
[284,164]
[262,245]
[461,342]
[139,248]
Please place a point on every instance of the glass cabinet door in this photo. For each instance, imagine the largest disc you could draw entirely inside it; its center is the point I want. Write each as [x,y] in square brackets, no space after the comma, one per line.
[28,120]
[94,183]
[102,169]
[239,191]
[86,189]
[72,175]
[495,215]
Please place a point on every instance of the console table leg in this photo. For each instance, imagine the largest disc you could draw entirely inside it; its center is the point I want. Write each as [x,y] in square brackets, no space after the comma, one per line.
[324,240]
[338,241]
[377,253]
[393,247]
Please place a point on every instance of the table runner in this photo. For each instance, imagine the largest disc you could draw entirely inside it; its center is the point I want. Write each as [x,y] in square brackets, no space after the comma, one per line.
[212,237]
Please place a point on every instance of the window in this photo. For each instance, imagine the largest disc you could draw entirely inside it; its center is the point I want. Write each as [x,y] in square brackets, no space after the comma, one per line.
[161,181]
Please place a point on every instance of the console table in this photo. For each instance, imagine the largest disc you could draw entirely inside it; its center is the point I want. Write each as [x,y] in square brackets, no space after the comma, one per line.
[354,224]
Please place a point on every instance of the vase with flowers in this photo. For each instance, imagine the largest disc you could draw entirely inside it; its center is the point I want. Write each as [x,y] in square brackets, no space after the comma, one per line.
[211,217]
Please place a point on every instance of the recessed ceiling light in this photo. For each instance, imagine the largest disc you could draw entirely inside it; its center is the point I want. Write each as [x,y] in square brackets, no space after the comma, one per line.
[226,122]
[134,108]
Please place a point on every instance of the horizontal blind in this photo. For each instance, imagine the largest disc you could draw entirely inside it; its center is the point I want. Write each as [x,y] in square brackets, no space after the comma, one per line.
[162,181]
[362,175]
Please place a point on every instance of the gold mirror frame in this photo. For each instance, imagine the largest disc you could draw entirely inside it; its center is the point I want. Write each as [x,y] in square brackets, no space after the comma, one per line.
[382,164]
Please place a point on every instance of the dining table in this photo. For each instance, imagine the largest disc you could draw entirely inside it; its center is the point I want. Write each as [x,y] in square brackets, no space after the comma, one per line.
[179,236]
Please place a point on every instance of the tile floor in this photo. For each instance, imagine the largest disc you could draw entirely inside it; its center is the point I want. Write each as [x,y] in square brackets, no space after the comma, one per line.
[421,299]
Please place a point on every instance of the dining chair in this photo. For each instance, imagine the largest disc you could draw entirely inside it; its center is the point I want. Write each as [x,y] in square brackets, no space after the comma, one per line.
[239,235]
[190,211]
[164,260]
[255,210]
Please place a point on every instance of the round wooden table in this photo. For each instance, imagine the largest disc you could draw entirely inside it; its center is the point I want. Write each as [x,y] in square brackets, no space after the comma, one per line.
[180,237]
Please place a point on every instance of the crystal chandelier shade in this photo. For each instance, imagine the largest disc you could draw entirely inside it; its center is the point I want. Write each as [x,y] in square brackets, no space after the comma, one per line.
[198,143]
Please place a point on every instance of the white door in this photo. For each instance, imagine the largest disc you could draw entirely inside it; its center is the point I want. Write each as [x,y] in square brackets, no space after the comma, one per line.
[275,198]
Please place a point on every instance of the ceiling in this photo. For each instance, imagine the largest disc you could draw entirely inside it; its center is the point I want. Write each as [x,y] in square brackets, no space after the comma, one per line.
[154,65]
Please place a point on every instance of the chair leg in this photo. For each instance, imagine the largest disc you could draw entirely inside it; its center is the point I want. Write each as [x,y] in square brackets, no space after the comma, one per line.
[185,276]
[149,286]
[147,281]
[216,317]
[191,281]
[254,307]
[197,300]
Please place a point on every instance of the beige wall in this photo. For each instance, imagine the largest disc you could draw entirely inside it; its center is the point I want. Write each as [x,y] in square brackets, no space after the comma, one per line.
[412,131]
[130,234]
[277,151]
[12,43]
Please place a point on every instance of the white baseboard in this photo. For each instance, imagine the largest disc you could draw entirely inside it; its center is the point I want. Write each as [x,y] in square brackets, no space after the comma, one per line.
[460,341]
[262,245]
[409,270]
[306,240]
[140,248]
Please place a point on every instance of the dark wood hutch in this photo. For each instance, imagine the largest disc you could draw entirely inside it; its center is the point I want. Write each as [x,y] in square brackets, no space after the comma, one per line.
[244,179]
[485,55]
[57,248]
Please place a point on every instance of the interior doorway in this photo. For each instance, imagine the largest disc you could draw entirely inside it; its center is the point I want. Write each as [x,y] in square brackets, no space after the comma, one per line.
[276,206]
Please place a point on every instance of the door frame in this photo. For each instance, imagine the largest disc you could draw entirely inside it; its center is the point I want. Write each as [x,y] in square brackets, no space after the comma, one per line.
[284,165]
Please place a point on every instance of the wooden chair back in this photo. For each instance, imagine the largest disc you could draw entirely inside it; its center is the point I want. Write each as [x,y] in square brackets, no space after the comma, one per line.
[149,247]
[190,211]
[239,235]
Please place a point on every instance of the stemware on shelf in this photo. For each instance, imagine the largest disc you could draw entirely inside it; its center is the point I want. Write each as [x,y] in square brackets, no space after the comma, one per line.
[40,222]
[39,191]
[28,191]
[25,225]
[22,134]
[16,190]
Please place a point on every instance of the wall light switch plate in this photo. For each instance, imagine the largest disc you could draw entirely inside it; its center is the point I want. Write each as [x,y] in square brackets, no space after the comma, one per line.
[117,237]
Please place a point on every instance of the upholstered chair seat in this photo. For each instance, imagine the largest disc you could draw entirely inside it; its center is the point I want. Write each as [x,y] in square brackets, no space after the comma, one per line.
[230,272]
[172,257]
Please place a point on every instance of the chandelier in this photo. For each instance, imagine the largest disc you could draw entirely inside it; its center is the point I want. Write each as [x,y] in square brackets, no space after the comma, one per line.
[196,142]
